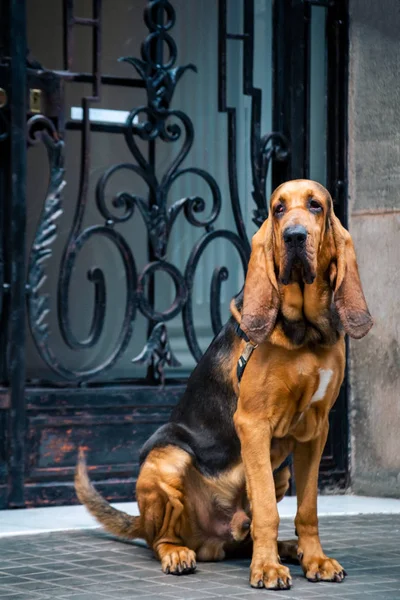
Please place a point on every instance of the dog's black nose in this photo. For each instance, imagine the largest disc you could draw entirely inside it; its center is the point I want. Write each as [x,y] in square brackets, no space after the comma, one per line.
[295,235]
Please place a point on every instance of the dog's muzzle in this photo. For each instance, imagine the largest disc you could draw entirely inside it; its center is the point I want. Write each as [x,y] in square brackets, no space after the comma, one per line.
[295,237]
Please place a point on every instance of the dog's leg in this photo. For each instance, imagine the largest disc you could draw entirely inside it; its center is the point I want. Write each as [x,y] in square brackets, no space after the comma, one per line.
[175,558]
[288,551]
[316,565]
[255,437]
[281,480]
[160,495]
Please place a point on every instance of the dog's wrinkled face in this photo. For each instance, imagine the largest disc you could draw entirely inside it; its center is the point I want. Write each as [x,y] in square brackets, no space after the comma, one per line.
[302,243]
[300,211]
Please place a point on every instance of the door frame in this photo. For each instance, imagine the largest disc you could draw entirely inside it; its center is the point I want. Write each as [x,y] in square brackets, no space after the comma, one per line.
[27,410]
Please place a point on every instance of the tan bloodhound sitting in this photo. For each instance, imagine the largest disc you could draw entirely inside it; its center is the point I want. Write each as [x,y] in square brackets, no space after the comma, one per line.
[210,478]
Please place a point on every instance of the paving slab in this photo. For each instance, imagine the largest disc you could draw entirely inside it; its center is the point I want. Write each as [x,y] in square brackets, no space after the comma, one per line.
[89,564]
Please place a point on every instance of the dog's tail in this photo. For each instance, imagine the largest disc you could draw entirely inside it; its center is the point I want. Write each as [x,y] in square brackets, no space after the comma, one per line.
[113,520]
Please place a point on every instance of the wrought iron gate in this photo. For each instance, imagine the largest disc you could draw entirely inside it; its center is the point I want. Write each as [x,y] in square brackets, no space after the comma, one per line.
[45,417]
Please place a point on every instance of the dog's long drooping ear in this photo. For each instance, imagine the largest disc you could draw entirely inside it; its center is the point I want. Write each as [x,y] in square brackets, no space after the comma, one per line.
[348,294]
[261,296]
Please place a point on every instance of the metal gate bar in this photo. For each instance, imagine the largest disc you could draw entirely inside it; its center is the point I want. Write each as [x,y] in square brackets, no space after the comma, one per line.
[15,248]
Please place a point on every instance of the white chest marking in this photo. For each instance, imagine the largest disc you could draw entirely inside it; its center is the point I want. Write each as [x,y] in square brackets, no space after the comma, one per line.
[325,376]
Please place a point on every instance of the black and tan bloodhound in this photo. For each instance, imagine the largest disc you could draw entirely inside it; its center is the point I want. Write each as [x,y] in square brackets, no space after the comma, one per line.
[210,480]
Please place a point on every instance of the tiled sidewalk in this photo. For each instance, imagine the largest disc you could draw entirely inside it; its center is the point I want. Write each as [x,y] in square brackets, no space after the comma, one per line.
[86,565]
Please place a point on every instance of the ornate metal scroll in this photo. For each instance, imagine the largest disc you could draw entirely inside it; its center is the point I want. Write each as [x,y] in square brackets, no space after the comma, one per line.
[264,149]
[42,129]
[158,121]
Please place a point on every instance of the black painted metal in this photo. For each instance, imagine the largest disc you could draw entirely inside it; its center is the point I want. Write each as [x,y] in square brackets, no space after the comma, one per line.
[337,182]
[4,207]
[110,420]
[223,35]
[337,52]
[15,258]
[158,121]
[264,148]
[291,58]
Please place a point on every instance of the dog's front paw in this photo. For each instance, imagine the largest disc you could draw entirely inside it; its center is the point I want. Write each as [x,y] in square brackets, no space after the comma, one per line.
[322,568]
[178,561]
[270,575]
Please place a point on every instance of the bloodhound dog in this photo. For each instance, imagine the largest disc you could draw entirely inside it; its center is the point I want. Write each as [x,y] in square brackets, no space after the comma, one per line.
[210,478]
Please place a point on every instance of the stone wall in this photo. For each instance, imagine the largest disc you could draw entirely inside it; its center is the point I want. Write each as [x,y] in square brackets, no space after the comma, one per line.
[374,221]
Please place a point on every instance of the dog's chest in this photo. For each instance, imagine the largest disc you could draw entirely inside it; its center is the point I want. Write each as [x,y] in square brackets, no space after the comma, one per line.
[314,403]
[320,383]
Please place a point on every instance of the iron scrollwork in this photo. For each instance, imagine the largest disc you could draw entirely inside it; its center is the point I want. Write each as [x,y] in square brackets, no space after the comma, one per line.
[39,130]
[273,146]
[158,352]
[263,149]
[42,129]
[151,122]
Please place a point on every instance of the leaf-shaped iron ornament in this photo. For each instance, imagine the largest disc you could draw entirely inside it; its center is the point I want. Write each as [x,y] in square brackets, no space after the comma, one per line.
[160,81]
[39,130]
[157,352]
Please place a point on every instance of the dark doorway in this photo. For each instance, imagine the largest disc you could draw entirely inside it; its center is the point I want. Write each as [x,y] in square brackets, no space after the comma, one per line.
[129,194]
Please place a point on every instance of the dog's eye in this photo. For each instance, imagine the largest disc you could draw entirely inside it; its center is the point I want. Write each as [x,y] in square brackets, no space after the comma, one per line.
[315,206]
[279,209]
